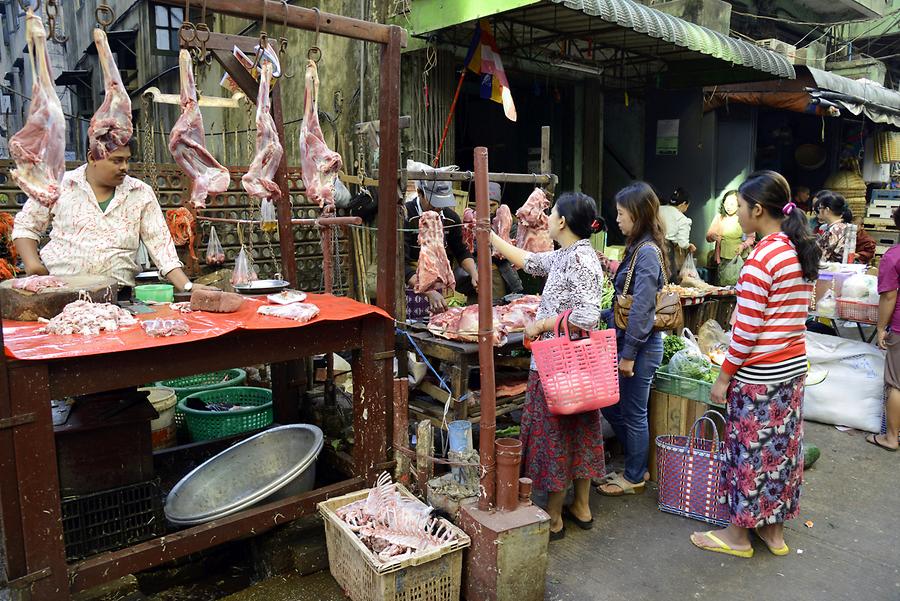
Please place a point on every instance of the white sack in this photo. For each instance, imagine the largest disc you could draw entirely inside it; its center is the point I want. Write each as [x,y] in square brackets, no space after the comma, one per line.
[853,392]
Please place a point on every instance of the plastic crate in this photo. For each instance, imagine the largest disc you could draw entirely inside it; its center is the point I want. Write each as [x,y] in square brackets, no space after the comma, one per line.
[111,519]
[695,390]
[432,576]
[856,311]
[209,425]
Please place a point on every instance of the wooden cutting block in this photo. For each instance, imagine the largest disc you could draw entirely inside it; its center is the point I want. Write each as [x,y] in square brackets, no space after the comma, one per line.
[21,305]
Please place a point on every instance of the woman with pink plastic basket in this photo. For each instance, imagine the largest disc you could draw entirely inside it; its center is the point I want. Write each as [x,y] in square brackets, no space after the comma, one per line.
[763,377]
[559,449]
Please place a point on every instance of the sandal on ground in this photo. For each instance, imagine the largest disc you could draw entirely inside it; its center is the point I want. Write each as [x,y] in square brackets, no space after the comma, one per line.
[784,550]
[721,546]
[873,439]
[583,524]
[625,487]
[608,477]
[558,535]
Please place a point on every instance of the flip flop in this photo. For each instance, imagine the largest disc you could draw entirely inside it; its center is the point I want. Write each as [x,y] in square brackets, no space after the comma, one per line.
[583,524]
[872,439]
[624,485]
[779,552]
[722,547]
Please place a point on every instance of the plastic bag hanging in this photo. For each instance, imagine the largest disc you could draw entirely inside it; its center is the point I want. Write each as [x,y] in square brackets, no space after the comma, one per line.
[215,255]
[143,257]
[267,216]
[243,269]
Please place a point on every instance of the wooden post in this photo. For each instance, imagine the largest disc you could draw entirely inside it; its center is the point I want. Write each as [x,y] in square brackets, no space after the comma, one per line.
[545,149]
[401,430]
[283,206]
[424,451]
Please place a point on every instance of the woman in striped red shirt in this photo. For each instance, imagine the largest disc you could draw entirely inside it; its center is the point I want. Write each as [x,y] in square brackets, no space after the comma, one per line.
[765,370]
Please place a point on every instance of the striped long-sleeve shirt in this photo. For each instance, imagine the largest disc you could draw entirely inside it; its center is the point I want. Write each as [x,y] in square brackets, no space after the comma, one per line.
[768,338]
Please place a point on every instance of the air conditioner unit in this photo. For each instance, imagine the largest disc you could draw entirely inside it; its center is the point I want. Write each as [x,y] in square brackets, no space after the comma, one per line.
[780,47]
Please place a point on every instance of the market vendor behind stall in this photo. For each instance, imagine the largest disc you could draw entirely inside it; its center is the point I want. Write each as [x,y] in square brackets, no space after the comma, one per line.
[97,224]
[437,196]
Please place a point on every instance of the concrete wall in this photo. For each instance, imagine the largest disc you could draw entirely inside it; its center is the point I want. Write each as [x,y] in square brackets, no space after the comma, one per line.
[715,152]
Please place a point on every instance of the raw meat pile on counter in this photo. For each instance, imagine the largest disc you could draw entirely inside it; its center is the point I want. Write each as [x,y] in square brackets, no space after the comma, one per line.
[88,318]
[38,283]
[302,312]
[187,142]
[39,147]
[162,328]
[434,271]
[394,526]
[461,323]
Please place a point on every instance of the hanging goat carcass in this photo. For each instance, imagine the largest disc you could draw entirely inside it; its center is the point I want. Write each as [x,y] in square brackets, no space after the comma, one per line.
[188,145]
[259,181]
[110,126]
[320,164]
[39,148]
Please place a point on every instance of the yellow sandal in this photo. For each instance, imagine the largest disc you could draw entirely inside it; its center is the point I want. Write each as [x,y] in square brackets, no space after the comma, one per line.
[779,552]
[722,547]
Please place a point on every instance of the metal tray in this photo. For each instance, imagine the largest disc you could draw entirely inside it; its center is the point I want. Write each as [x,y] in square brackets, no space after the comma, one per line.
[262,287]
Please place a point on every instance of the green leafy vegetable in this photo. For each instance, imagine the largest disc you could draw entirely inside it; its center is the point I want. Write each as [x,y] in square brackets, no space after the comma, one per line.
[671,345]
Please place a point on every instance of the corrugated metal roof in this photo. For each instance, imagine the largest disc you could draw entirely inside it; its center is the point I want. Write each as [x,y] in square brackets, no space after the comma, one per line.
[877,102]
[657,24]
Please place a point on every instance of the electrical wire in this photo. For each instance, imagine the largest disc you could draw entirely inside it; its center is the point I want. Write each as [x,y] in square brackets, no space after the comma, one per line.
[820,24]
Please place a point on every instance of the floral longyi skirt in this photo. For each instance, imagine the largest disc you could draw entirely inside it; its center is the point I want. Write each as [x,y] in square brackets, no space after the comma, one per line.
[763,452]
[559,448]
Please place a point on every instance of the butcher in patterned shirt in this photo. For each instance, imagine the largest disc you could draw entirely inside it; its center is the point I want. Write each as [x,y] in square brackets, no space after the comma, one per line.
[98,222]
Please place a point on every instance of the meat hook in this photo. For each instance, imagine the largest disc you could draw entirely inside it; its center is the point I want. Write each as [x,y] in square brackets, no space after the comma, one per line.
[204,56]
[34,5]
[104,9]
[263,37]
[282,50]
[314,50]
[187,27]
[52,11]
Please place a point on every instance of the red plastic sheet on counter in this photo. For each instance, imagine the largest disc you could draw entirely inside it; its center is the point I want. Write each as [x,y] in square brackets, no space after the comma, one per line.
[22,341]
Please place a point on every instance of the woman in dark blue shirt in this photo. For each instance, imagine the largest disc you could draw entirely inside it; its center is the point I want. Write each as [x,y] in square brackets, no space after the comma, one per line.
[640,348]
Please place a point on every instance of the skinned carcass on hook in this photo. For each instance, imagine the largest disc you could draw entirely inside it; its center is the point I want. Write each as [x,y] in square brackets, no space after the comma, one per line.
[259,181]
[320,164]
[39,148]
[111,126]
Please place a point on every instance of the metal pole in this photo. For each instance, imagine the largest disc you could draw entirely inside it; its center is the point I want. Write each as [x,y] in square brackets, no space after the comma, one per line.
[485,332]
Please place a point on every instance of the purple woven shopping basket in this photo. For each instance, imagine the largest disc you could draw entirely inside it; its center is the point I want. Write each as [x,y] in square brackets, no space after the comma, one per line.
[690,474]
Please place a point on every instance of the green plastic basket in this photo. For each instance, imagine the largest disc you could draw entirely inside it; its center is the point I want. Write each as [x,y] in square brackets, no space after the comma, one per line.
[695,390]
[188,385]
[209,425]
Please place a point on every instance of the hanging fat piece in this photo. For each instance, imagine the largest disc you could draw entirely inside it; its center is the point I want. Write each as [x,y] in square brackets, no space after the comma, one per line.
[533,230]
[434,271]
[320,164]
[188,145]
[39,147]
[259,181]
[110,126]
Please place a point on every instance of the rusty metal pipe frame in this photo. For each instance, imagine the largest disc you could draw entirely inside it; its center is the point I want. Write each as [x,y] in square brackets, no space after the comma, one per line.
[305,222]
[298,17]
[485,332]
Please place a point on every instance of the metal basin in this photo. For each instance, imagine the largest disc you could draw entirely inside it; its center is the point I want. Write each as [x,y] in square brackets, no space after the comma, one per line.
[273,464]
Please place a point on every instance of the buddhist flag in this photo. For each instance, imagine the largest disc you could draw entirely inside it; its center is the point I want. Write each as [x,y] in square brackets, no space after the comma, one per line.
[484,60]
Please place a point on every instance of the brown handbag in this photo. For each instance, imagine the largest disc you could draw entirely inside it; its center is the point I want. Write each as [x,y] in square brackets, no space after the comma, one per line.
[669,315]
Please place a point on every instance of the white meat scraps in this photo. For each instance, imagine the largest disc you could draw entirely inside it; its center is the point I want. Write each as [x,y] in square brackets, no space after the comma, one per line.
[302,312]
[162,328]
[394,526]
[88,318]
[38,283]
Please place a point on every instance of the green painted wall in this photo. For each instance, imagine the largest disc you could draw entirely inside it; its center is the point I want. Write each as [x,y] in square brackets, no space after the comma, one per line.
[431,15]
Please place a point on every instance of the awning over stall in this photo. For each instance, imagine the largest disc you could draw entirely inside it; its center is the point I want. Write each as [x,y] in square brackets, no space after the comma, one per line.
[621,43]
[816,92]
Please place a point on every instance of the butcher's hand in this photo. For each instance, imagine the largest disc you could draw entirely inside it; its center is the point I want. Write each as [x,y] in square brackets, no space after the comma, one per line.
[474,276]
[436,302]
[37,268]
[413,281]
[205,287]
